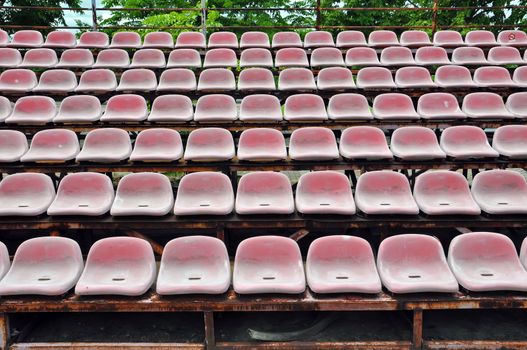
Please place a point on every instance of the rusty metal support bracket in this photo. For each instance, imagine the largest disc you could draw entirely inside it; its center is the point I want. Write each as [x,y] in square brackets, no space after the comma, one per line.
[158,248]
[462,230]
[210,339]
[417,334]
[4,331]
[298,235]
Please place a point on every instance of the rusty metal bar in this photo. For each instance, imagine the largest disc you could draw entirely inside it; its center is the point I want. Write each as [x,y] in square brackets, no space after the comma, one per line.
[158,249]
[475,344]
[318,16]
[95,23]
[210,339]
[104,346]
[305,345]
[417,329]
[4,331]
[434,17]
[298,235]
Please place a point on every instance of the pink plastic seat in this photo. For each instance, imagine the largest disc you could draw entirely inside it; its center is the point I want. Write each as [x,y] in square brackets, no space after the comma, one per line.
[254,39]
[268,264]
[56,81]
[362,56]
[326,57]
[76,58]
[53,145]
[60,39]
[125,108]
[394,106]
[469,56]
[382,38]
[161,40]
[413,263]
[216,108]
[177,79]
[512,38]
[291,57]
[261,144]
[216,79]
[351,38]
[504,55]
[485,105]
[89,194]
[157,145]
[397,56]
[318,38]
[43,266]
[413,77]
[256,79]
[511,141]
[13,145]
[79,109]
[171,108]
[220,58]
[313,143]
[517,105]
[324,192]
[105,145]
[4,38]
[184,58]
[126,40]
[480,38]
[364,142]
[430,55]
[439,105]
[486,261]
[91,40]
[305,107]
[465,142]
[204,193]
[296,79]
[6,107]
[260,108]
[143,194]
[335,78]
[9,58]
[39,58]
[193,40]
[415,143]
[209,145]
[148,58]
[493,77]
[33,110]
[375,78]
[256,57]
[415,38]
[448,38]
[264,192]
[97,80]
[444,192]
[520,76]
[348,107]
[194,265]
[223,39]
[118,266]
[26,38]
[500,192]
[342,264]
[26,194]
[453,76]
[286,39]
[138,79]
[112,58]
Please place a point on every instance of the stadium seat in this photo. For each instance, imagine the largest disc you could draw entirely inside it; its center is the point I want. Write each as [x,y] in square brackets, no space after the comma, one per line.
[138,79]
[97,80]
[13,145]
[161,40]
[486,261]
[194,265]
[341,264]
[268,264]
[204,193]
[184,58]
[43,266]
[375,78]
[295,79]
[305,107]
[33,110]
[9,58]
[216,79]
[415,38]
[264,192]
[286,39]
[79,109]
[448,38]
[171,108]
[177,79]
[480,38]
[362,56]
[215,58]
[93,40]
[25,194]
[511,141]
[504,55]
[335,78]
[223,40]
[500,192]
[157,145]
[493,77]
[324,192]
[60,39]
[260,108]
[318,38]
[256,57]
[56,81]
[453,76]
[105,145]
[348,107]
[439,105]
[384,192]
[6,107]
[351,38]
[444,192]
[430,55]
[254,40]
[126,40]
[313,143]
[52,146]
[326,57]
[4,40]
[261,145]
[512,38]
[125,108]
[216,108]
[83,193]
[141,194]
[291,57]
[192,40]
[413,77]
[413,263]
[517,105]
[485,105]
[469,56]
[39,58]
[520,76]
[394,106]
[209,145]
[364,142]
[415,143]
[397,56]
[76,58]
[148,58]
[382,38]
[112,58]
[26,38]
[256,79]
[118,266]
[465,142]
